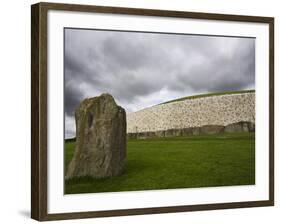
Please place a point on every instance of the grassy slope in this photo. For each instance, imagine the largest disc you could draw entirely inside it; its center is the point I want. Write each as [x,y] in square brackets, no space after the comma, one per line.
[209,94]
[182,162]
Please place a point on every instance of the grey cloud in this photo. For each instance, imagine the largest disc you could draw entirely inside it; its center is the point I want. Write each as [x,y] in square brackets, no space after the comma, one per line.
[72,98]
[133,67]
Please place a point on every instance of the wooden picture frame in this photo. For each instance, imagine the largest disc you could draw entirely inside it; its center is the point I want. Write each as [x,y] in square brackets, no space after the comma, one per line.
[39,110]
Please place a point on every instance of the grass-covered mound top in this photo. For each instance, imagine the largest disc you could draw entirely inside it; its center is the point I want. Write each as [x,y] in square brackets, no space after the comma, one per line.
[210,94]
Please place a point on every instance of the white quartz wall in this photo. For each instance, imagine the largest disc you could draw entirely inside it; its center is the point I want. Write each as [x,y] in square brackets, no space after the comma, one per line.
[214,110]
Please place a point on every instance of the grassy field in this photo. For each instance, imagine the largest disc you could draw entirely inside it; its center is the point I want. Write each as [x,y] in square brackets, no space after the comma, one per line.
[179,162]
[210,94]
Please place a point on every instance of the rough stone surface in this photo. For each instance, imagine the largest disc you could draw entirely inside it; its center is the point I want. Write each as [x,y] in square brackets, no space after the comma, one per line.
[211,129]
[100,149]
[243,126]
[236,127]
[251,127]
[215,110]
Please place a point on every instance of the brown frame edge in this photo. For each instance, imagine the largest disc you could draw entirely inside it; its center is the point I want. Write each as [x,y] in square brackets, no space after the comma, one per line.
[39,110]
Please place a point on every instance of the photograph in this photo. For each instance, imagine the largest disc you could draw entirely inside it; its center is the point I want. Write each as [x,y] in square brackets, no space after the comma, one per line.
[156,111]
[139,111]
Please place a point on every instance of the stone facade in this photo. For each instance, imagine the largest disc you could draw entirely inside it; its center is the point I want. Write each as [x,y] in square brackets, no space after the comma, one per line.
[220,110]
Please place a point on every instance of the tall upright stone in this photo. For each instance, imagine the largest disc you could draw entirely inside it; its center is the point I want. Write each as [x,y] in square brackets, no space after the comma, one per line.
[100,149]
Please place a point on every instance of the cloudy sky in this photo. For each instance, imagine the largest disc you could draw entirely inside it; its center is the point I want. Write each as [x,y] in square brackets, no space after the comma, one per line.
[143,69]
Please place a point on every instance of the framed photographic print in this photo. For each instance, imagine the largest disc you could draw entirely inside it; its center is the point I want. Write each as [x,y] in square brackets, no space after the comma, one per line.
[141,111]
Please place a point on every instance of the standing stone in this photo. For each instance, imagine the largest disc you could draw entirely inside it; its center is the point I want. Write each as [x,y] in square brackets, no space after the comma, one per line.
[100,149]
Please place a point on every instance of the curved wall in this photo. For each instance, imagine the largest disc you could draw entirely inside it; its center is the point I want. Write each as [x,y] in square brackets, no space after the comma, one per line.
[213,110]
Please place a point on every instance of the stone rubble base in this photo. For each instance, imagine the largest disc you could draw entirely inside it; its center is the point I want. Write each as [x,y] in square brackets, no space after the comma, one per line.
[243,126]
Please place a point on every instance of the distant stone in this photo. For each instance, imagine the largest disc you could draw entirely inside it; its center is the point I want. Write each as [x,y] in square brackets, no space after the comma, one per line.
[169,133]
[160,134]
[142,135]
[100,139]
[177,132]
[251,126]
[195,130]
[173,133]
[150,134]
[131,136]
[211,129]
[237,127]
[186,132]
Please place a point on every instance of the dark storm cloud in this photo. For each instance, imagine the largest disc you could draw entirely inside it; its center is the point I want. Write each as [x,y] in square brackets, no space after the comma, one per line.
[72,97]
[221,72]
[143,69]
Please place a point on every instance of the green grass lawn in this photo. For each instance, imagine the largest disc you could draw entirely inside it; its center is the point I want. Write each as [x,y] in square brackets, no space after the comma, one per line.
[179,162]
